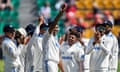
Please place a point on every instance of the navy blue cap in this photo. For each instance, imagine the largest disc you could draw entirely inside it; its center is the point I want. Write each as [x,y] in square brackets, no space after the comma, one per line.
[8,28]
[107,22]
[44,26]
[79,28]
[98,25]
[30,28]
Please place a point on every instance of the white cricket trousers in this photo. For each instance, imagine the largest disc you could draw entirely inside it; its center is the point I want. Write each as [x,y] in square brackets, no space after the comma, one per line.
[86,70]
[50,66]
[99,71]
[12,69]
[113,70]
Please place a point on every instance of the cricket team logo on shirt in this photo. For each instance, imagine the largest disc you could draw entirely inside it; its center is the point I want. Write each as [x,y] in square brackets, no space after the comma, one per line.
[67,57]
[97,48]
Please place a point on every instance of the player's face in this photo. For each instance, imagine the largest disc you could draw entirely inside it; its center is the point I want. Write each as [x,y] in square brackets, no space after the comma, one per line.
[11,34]
[55,29]
[99,33]
[42,31]
[72,39]
[81,34]
[22,39]
[108,29]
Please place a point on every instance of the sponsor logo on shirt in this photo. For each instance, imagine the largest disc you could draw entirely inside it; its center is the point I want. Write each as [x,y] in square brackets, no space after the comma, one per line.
[67,57]
[97,48]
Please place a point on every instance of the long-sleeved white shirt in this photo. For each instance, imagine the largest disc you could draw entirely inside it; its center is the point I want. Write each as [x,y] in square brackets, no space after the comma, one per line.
[87,56]
[22,57]
[113,64]
[72,56]
[100,53]
[29,51]
[50,47]
[38,53]
[11,54]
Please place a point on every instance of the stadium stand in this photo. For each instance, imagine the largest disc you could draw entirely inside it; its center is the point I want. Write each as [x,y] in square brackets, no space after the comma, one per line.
[84,10]
[9,16]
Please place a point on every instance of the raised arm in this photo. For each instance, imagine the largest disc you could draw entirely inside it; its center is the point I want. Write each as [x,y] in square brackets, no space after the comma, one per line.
[107,48]
[54,23]
[37,30]
[90,46]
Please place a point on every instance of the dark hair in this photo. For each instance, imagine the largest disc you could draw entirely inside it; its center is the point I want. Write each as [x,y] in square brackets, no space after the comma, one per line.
[17,34]
[107,22]
[30,29]
[75,34]
[8,28]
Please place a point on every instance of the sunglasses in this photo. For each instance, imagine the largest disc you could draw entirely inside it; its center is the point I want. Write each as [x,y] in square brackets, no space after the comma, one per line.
[100,28]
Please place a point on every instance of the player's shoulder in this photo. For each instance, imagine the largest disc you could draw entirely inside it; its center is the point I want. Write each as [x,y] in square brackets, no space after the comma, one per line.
[7,41]
[78,46]
[91,39]
[85,39]
[111,35]
[64,45]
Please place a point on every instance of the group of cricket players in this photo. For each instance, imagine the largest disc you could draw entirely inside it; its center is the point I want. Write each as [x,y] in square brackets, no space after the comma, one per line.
[37,49]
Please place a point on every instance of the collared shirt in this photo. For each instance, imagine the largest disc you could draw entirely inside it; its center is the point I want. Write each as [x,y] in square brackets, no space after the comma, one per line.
[113,64]
[72,56]
[11,53]
[50,47]
[100,53]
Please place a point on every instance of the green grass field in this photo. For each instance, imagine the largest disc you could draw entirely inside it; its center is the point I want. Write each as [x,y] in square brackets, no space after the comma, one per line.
[119,66]
[2,64]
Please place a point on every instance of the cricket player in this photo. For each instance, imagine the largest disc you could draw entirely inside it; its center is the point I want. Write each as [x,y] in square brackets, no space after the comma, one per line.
[113,64]
[84,42]
[29,66]
[11,51]
[72,54]
[28,52]
[100,49]
[38,50]
[20,37]
[51,46]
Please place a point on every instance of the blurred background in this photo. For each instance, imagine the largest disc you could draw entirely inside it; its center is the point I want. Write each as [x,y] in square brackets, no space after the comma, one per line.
[85,13]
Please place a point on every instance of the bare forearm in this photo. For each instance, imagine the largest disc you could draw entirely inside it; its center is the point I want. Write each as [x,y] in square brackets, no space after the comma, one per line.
[54,23]
[60,66]
[58,17]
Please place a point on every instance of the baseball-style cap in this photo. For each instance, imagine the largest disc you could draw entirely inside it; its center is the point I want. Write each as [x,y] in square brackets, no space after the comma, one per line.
[108,23]
[44,26]
[22,31]
[30,28]
[8,28]
[77,28]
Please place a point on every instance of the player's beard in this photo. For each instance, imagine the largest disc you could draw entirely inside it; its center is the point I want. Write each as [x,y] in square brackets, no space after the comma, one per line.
[107,32]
